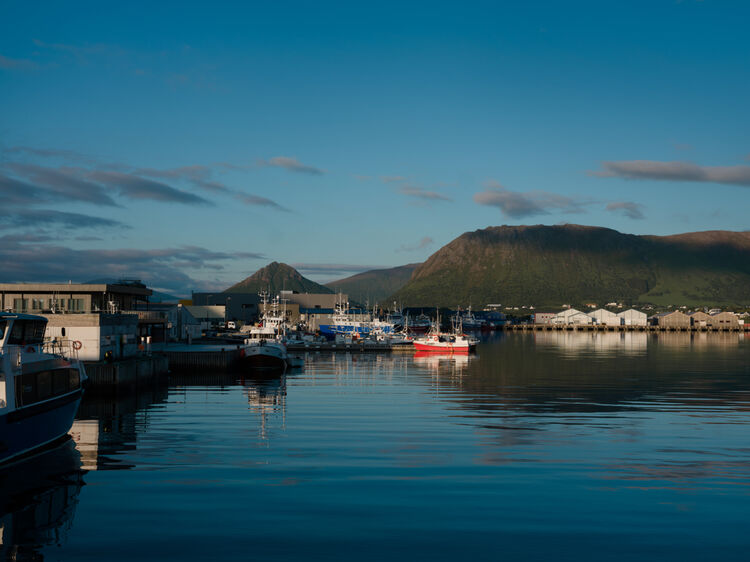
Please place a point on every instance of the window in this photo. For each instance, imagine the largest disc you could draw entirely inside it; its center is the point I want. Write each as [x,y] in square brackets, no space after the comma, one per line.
[27,332]
[3,325]
[75,305]
[37,387]
[20,305]
[37,304]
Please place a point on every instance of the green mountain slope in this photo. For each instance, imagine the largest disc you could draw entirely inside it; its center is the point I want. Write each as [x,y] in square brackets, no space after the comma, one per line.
[552,265]
[276,277]
[374,285]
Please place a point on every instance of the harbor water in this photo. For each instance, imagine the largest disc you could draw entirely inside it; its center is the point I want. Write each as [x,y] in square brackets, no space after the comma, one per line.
[541,446]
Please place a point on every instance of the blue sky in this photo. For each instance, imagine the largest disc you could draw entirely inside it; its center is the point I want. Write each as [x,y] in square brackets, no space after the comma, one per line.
[189,145]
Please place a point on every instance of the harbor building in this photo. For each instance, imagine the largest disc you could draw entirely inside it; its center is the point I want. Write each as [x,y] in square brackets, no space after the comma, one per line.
[102,336]
[699,319]
[604,317]
[632,317]
[571,316]
[72,298]
[238,307]
[543,317]
[675,319]
[724,320]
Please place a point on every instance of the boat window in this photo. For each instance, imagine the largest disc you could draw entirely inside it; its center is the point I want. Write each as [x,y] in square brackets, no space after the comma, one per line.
[36,387]
[3,325]
[27,332]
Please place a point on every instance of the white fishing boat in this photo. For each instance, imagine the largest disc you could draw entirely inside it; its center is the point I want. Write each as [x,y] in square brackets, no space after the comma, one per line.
[265,349]
[41,385]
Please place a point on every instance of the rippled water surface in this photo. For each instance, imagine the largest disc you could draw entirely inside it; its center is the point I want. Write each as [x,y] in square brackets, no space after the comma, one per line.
[552,445]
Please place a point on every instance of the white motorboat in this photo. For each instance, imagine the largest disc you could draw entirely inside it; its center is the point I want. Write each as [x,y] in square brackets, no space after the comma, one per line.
[41,385]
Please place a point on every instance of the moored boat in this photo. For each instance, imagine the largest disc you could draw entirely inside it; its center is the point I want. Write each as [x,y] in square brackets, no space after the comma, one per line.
[41,385]
[265,349]
[446,342]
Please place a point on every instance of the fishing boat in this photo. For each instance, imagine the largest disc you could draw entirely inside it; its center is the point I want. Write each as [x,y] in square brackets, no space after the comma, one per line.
[420,325]
[41,385]
[264,347]
[446,342]
[471,322]
[345,322]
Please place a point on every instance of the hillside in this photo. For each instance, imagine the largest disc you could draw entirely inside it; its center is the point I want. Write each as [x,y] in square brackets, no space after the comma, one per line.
[552,265]
[276,277]
[374,285]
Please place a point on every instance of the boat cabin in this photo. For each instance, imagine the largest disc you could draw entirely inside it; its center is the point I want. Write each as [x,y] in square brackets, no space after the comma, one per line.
[30,371]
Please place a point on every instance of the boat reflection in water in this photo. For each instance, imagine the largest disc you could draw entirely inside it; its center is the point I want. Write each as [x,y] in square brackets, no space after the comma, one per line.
[444,364]
[266,397]
[38,499]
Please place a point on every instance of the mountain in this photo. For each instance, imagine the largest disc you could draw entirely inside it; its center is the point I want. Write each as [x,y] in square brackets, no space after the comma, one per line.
[276,277]
[374,285]
[552,265]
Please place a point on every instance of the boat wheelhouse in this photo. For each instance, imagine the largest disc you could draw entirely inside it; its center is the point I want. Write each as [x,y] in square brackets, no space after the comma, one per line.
[41,385]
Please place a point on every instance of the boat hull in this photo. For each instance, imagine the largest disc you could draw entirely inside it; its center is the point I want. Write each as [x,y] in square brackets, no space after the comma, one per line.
[265,358]
[27,429]
[442,347]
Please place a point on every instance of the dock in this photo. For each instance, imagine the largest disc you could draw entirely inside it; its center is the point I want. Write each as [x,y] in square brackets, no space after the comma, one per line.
[126,373]
[203,356]
[615,328]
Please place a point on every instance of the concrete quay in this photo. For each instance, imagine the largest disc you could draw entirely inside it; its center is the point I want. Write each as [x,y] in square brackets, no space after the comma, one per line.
[126,373]
[604,328]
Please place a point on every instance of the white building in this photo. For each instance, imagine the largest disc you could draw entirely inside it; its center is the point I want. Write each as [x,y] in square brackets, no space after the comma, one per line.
[633,317]
[572,316]
[604,317]
[97,334]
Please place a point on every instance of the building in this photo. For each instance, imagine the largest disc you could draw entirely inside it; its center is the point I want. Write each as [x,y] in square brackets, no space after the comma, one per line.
[632,317]
[72,298]
[242,307]
[543,317]
[209,316]
[571,316]
[724,320]
[676,319]
[165,322]
[102,336]
[604,317]
[699,319]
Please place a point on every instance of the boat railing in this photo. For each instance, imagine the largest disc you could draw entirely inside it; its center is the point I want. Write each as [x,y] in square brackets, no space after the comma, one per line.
[63,347]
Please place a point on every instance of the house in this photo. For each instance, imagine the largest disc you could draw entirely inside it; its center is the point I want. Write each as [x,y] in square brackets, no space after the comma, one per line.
[604,317]
[632,317]
[675,319]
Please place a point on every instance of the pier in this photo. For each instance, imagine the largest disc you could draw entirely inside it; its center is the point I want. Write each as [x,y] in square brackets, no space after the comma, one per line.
[126,373]
[615,328]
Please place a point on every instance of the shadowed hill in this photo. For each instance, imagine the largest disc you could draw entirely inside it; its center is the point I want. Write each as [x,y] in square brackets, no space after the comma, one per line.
[374,285]
[551,265]
[276,277]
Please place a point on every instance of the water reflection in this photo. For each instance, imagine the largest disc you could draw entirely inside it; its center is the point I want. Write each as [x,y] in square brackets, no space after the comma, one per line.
[108,424]
[602,343]
[38,499]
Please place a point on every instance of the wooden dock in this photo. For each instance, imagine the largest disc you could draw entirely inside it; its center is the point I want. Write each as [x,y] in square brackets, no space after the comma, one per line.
[201,356]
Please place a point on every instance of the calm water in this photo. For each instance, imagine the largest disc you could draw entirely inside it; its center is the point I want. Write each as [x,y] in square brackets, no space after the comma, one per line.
[547,446]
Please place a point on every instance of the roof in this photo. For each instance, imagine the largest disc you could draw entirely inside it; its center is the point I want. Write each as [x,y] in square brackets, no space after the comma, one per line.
[128,289]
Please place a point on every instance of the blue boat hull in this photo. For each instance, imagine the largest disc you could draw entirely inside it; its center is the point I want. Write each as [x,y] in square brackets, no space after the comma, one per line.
[330,330]
[26,429]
